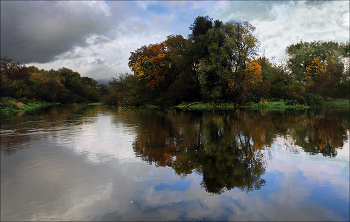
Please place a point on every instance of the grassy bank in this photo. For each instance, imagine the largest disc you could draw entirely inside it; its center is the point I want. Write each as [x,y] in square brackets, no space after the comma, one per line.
[270,105]
[277,105]
[147,107]
[9,106]
[206,106]
[339,103]
[262,105]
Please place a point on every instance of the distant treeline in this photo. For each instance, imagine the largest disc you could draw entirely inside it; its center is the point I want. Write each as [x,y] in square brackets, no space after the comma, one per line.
[62,85]
[219,62]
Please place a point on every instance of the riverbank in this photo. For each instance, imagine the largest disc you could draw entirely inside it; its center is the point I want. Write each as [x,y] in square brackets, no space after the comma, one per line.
[271,105]
[9,106]
[262,105]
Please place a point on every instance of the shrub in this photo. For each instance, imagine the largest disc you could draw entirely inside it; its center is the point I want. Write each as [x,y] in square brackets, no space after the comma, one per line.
[314,100]
[299,99]
[289,102]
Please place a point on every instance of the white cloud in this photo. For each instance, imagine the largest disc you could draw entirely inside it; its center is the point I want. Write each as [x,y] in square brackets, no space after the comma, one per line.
[297,21]
[74,34]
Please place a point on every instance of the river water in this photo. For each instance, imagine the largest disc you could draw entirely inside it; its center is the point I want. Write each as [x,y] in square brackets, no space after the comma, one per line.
[92,163]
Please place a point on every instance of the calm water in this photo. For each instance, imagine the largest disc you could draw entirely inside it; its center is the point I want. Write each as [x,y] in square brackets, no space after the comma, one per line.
[82,162]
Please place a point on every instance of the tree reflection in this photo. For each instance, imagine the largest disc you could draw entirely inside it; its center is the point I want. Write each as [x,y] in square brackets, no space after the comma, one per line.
[210,144]
[229,149]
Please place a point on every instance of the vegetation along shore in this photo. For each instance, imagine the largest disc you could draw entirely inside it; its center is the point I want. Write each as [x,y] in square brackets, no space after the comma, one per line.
[218,66]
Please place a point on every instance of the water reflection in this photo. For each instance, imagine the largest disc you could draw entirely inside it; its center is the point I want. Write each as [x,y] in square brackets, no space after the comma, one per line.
[84,163]
[231,149]
[17,130]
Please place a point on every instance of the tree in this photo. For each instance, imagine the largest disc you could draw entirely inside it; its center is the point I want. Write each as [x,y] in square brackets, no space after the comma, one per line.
[196,47]
[185,86]
[302,54]
[152,65]
[243,47]
[324,79]
[214,69]
[13,70]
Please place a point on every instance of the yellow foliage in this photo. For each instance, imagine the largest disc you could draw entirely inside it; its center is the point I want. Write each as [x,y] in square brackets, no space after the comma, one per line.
[316,67]
[253,73]
[161,55]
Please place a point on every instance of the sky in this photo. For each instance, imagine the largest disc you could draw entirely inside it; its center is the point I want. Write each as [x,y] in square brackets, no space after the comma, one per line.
[95,38]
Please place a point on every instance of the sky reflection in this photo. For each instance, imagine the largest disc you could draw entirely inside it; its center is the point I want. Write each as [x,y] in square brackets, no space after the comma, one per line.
[90,171]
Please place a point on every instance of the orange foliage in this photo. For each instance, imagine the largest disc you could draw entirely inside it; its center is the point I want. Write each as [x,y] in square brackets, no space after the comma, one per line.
[153,66]
[253,72]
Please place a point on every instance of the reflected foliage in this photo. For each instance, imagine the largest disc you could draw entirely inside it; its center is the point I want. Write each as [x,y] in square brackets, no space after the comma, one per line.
[231,149]
[228,149]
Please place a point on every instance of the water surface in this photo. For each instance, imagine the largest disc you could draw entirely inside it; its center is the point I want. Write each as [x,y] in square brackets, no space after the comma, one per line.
[83,162]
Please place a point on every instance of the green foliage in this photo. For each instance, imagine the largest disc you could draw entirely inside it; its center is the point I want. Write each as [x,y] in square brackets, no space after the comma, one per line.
[63,85]
[218,62]
[299,99]
[127,90]
[9,106]
[314,100]
[339,103]
[302,54]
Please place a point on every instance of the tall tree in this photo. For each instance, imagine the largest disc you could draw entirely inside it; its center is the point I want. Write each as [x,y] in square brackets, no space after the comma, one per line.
[214,68]
[302,54]
[243,47]
[185,86]
[197,41]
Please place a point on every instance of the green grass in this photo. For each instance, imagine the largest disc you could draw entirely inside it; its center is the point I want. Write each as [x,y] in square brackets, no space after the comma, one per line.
[339,103]
[126,108]
[206,106]
[279,105]
[10,106]
[151,107]
[262,105]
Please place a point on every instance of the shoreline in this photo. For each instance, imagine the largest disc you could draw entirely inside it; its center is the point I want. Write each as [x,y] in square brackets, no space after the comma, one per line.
[10,106]
[278,105]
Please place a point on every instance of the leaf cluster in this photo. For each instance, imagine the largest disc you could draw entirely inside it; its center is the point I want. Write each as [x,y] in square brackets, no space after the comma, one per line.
[62,85]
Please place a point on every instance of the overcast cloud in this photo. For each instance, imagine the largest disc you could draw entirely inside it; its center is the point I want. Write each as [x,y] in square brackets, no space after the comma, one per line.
[95,38]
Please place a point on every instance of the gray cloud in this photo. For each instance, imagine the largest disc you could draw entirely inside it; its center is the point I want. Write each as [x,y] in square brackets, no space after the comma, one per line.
[282,23]
[39,31]
[74,34]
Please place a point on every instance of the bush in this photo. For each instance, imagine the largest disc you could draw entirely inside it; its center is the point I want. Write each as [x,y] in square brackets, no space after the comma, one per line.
[299,99]
[289,102]
[314,100]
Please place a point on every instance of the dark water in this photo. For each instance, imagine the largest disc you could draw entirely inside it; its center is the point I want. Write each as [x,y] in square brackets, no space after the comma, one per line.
[83,162]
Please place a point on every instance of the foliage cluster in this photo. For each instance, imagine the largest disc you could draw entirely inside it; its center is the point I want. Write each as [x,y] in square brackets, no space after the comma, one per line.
[62,85]
[9,106]
[230,149]
[220,62]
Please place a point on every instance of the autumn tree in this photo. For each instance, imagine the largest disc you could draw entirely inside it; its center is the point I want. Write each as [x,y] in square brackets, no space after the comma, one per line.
[14,78]
[323,78]
[153,66]
[319,65]
[221,52]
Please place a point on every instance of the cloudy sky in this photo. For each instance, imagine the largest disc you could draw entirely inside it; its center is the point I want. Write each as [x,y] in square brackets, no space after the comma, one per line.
[95,38]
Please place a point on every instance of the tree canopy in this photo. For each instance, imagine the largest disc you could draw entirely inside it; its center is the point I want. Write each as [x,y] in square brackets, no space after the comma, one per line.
[218,61]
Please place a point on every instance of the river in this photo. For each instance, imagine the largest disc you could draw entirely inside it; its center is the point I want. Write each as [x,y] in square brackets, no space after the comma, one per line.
[92,163]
